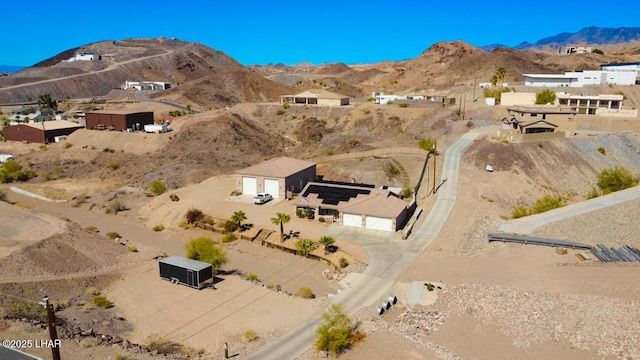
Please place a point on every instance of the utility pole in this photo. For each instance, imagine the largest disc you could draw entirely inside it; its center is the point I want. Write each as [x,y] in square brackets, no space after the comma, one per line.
[433,191]
[53,334]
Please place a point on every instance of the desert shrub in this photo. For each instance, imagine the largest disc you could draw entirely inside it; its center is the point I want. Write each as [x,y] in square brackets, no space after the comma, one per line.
[229,238]
[43,147]
[250,336]
[403,105]
[131,248]
[344,263]
[203,249]
[112,235]
[305,293]
[124,357]
[230,226]
[280,112]
[158,187]
[285,106]
[3,196]
[12,171]
[252,277]
[547,203]
[193,216]
[159,227]
[602,151]
[406,192]
[116,206]
[67,145]
[505,141]
[391,171]
[21,309]
[336,331]
[615,179]
[91,228]
[541,145]
[163,346]
[109,150]
[593,193]
[102,301]
[92,291]
[113,165]
[322,220]
[305,246]
[519,212]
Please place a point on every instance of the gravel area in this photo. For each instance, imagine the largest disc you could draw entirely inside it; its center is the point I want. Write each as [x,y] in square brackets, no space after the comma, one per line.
[616,226]
[475,238]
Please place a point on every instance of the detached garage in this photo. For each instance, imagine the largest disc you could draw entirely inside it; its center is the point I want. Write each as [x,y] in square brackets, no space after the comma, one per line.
[275,176]
[382,210]
[119,120]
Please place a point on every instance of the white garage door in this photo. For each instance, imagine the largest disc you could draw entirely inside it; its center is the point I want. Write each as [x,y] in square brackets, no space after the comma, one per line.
[377,223]
[249,185]
[352,220]
[272,187]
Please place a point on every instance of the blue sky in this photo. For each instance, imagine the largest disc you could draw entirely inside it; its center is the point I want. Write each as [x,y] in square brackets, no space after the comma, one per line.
[289,32]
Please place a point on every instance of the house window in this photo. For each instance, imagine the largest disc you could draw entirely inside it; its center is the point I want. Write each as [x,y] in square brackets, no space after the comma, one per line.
[563,102]
[573,102]
[534,114]
[615,104]
[583,102]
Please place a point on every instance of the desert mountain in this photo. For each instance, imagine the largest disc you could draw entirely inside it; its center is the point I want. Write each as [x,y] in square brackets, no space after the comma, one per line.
[588,35]
[159,59]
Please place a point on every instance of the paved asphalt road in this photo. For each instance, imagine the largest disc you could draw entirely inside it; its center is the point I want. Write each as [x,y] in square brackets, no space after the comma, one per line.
[387,258]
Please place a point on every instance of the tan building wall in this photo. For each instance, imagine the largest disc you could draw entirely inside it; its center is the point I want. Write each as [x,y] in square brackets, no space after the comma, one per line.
[516,98]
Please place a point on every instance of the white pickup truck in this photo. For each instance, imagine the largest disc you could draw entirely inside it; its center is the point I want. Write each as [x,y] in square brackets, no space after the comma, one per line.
[262,198]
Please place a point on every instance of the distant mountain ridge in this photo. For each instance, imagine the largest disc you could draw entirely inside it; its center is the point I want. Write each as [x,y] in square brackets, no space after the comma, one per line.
[591,35]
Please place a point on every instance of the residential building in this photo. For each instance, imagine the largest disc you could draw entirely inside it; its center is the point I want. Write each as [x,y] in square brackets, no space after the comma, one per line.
[353,205]
[317,97]
[581,78]
[85,56]
[146,85]
[532,123]
[576,49]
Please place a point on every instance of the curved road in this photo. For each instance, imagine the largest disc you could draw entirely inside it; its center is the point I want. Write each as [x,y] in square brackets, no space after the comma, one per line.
[387,259]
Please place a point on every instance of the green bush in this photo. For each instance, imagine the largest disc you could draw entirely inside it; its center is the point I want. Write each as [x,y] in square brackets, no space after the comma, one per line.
[546,96]
[3,196]
[158,187]
[112,235]
[116,206]
[403,105]
[391,171]
[306,293]
[305,246]
[547,203]
[252,277]
[594,193]
[102,301]
[519,212]
[203,249]
[158,227]
[344,263]
[615,179]
[132,248]
[21,309]
[336,331]
[229,238]
[602,151]
[280,112]
[91,228]
[12,171]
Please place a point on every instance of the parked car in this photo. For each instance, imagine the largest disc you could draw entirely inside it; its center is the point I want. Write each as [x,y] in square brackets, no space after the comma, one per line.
[262,198]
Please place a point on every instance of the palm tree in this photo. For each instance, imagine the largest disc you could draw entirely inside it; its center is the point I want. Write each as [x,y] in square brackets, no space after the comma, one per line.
[281,219]
[501,74]
[326,241]
[238,217]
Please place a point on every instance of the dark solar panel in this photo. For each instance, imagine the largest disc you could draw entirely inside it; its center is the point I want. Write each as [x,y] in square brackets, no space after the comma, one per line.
[333,195]
[368,186]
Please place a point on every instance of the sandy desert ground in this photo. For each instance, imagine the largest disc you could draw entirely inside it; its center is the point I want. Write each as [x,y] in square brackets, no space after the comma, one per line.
[497,301]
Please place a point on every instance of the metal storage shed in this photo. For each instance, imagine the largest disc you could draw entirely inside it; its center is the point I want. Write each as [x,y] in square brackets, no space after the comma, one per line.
[180,270]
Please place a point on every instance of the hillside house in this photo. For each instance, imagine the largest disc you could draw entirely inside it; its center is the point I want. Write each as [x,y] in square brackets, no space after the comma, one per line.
[578,79]
[31,114]
[632,67]
[146,85]
[576,49]
[85,56]
[316,97]
[532,123]
[43,132]
[354,205]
